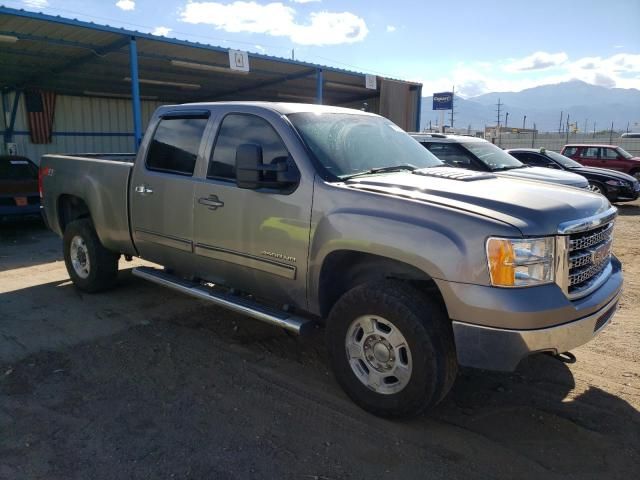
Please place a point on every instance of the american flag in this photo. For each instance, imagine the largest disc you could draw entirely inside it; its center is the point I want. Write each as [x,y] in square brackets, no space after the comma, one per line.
[40,109]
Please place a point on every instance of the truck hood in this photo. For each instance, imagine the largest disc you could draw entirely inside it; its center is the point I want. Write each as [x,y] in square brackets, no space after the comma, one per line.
[535,208]
[542,174]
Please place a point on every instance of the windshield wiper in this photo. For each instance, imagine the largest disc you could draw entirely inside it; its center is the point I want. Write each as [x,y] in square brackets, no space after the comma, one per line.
[508,167]
[390,168]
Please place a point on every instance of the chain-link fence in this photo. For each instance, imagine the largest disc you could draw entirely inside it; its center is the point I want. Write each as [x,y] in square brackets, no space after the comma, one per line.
[555,141]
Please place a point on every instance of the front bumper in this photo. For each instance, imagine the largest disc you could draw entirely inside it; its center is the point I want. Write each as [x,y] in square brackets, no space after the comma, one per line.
[627,194]
[496,328]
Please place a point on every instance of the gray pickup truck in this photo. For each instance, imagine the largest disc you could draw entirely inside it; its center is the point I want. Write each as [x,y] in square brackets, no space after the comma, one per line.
[297,214]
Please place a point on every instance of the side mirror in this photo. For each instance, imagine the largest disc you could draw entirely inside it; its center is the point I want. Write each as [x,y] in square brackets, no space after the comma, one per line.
[252,174]
[248,166]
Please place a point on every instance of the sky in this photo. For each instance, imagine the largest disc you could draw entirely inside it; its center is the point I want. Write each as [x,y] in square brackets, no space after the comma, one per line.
[476,46]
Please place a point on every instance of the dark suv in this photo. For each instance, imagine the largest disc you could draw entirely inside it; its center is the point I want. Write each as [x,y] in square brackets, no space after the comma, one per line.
[604,156]
[18,187]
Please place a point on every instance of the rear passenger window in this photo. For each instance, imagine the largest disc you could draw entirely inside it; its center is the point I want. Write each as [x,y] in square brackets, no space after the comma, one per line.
[175,145]
[237,129]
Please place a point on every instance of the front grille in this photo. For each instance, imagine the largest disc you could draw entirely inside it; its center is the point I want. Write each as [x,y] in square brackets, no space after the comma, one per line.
[589,254]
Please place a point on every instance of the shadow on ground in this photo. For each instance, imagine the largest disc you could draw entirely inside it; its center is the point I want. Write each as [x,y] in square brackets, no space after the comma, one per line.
[187,390]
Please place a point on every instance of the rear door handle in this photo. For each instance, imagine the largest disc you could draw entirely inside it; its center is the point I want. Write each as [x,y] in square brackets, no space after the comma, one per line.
[211,201]
[143,190]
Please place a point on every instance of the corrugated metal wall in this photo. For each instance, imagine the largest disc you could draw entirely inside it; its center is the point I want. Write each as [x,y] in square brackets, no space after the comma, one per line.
[83,125]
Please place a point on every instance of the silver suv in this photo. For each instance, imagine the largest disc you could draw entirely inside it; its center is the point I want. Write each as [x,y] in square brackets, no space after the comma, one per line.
[478,154]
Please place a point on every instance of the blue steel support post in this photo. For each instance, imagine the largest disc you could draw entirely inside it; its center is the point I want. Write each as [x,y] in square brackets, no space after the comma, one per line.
[319,86]
[419,109]
[135,93]
[8,133]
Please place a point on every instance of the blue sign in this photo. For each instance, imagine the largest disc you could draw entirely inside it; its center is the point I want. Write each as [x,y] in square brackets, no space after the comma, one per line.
[443,101]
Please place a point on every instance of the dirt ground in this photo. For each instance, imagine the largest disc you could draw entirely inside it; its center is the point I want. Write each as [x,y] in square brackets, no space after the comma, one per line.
[141,382]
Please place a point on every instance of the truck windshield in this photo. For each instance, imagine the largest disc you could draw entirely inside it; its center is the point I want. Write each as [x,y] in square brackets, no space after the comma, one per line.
[347,144]
[492,156]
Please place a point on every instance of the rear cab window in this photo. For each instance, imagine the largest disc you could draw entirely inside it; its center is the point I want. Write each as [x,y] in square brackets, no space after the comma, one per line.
[176,142]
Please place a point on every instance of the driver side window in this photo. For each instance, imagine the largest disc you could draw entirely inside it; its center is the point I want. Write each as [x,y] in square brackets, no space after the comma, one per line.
[238,129]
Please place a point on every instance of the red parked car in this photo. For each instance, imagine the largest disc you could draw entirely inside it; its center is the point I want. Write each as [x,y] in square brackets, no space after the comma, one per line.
[604,156]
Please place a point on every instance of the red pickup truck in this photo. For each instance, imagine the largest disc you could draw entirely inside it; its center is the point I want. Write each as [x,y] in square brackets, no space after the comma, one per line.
[604,156]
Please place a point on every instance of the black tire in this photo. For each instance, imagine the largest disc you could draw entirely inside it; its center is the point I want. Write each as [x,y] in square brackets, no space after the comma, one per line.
[428,334]
[102,272]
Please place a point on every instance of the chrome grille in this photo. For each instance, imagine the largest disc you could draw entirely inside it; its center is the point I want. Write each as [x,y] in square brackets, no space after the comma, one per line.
[587,239]
[589,254]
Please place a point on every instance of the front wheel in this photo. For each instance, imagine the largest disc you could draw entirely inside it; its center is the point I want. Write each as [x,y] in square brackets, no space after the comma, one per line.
[90,265]
[391,349]
[595,187]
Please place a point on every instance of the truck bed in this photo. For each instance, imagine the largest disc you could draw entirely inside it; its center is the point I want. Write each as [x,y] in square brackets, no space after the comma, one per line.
[102,182]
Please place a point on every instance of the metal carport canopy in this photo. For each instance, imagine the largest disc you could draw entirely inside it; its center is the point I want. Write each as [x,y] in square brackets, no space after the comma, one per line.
[72,57]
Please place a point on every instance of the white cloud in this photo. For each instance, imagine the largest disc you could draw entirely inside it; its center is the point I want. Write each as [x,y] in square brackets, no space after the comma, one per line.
[537,61]
[126,5]
[161,31]
[36,3]
[278,20]
[621,70]
[305,1]
[391,28]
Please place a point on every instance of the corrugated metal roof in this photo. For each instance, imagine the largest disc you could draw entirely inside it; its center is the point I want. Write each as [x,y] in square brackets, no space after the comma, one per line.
[76,57]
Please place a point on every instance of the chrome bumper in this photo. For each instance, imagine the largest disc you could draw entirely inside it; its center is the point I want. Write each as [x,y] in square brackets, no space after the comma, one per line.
[502,349]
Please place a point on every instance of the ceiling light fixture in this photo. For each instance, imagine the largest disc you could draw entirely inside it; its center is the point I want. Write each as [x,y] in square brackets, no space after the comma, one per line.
[204,66]
[344,86]
[148,81]
[117,95]
[8,38]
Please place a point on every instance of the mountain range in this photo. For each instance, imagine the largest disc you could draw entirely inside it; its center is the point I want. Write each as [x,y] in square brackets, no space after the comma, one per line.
[543,106]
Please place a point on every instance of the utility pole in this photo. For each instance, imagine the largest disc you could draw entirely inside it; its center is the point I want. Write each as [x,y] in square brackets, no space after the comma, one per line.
[627,127]
[498,110]
[506,120]
[594,129]
[560,126]
[293,54]
[453,102]
[611,134]
[524,122]
[533,135]
[585,125]
[567,128]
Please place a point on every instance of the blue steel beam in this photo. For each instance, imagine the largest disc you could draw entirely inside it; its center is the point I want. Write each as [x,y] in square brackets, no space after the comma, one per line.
[76,62]
[135,93]
[8,133]
[319,86]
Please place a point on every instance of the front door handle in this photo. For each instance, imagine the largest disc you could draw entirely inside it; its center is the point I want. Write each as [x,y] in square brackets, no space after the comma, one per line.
[143,190]
[211,201]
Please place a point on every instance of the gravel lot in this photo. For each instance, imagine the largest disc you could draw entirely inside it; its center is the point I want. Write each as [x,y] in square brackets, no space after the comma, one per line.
[141,382]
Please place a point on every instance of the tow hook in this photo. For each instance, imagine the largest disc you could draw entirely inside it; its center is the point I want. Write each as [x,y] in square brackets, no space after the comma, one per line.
[128,258]
[565,357]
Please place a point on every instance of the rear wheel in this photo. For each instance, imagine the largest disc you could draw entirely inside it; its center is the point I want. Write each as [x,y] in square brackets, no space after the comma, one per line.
[391,348]
[90,265]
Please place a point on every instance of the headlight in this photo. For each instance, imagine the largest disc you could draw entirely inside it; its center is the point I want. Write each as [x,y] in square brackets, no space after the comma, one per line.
[616,183]
[520,262]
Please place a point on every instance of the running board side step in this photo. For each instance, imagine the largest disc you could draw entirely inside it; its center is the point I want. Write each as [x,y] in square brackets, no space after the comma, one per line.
[236,303]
